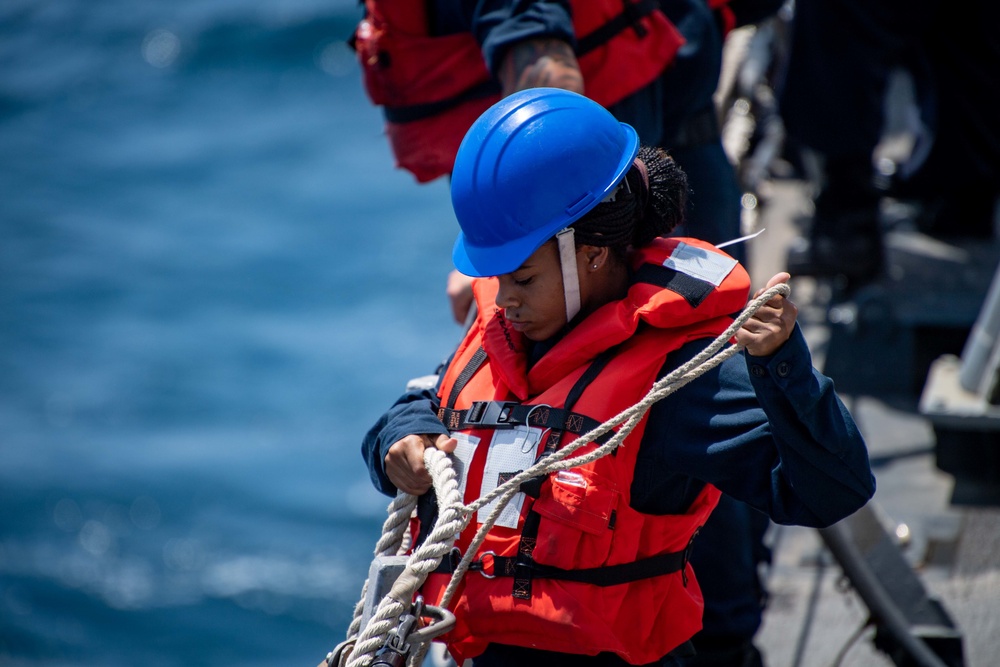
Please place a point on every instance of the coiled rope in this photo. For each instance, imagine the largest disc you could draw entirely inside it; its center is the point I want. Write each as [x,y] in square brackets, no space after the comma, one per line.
[454,516]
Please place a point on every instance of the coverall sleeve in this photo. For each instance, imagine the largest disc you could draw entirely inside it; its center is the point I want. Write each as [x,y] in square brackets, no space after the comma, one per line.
[770,431]
[415,412]
[496,24]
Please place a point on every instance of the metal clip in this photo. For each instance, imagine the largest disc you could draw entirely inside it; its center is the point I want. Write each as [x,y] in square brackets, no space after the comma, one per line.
[445,621]
[396,648]
[402,638]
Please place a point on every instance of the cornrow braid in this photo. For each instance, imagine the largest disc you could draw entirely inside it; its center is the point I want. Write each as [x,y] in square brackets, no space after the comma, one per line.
[644,207]
[667,195]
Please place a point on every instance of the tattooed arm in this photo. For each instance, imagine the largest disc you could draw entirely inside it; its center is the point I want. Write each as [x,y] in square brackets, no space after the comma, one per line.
[532,63]
[540,62]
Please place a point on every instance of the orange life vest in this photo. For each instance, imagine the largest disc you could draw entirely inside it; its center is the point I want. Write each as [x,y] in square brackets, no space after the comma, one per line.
[433,88]
[570,566]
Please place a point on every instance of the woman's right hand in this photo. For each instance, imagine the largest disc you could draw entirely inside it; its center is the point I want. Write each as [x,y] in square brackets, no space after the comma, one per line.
[404,463]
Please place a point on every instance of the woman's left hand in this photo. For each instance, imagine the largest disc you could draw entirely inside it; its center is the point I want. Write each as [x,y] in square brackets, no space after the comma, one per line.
[772,325]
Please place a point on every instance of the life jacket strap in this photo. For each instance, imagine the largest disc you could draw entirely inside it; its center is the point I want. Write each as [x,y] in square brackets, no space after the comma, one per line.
[413,112]
[475,363]
[511,414]
[521,588]
[630,17]
[694,290]
[605,575]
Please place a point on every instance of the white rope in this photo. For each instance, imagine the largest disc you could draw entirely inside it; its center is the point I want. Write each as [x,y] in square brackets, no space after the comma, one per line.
[453,516]
[424,560]
[389,544]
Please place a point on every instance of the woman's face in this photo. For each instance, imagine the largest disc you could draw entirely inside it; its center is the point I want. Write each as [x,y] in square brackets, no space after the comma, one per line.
[532,296]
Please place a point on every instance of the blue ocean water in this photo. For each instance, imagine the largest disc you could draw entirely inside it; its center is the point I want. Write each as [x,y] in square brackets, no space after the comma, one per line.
[212,281]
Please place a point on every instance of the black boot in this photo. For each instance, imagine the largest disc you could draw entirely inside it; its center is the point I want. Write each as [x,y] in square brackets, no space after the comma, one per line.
[845,238]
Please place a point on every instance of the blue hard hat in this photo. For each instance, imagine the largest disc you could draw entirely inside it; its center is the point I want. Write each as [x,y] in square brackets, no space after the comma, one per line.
[532,164]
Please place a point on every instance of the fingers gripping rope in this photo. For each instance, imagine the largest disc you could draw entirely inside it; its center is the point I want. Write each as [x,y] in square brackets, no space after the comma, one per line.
[453,516]
[424,560]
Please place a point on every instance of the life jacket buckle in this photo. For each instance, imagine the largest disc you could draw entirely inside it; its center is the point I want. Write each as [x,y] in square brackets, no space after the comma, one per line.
[491,413]
[442,621]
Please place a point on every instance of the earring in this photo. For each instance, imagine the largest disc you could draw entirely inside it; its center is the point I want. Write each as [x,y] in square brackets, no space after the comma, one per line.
[595,266]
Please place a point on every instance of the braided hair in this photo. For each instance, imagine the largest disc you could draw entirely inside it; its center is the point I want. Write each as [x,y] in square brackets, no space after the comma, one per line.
[649,203]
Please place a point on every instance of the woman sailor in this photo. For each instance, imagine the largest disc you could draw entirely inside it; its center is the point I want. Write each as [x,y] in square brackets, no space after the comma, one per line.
[582,306]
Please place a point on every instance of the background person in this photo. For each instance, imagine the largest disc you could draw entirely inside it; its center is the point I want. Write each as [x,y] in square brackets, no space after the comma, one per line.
[833,102]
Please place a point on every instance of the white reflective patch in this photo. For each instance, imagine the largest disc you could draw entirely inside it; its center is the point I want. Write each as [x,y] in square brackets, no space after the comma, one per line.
[571,478]
[462,458]
[511,451]
[699,263]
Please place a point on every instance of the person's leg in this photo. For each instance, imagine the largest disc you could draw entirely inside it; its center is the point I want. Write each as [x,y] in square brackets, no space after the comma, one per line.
[832,102]
[726,556]
[959,182]
[690,129]
[713,212]
[845,237]
[839,61]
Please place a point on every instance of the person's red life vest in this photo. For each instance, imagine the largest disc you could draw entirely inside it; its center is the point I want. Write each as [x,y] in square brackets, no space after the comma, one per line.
[433,88]
[574,568]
